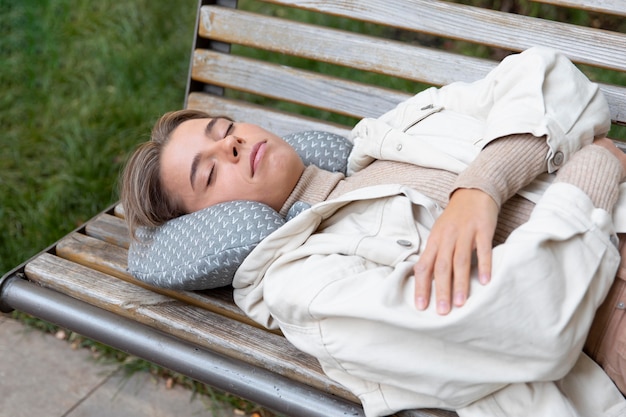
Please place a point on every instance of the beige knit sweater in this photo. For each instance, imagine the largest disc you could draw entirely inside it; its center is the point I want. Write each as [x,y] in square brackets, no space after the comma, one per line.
[501,169]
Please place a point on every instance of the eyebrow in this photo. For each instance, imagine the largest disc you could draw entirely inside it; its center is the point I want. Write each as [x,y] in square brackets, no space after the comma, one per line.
[208,131]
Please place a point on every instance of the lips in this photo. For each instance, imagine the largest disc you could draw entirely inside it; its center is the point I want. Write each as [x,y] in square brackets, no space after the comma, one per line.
[258,150]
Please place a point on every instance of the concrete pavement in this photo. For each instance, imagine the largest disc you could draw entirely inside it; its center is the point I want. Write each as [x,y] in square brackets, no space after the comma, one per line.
[43,376]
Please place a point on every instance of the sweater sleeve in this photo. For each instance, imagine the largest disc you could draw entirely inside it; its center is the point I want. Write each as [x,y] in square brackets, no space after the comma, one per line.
[505,166]
[596,172]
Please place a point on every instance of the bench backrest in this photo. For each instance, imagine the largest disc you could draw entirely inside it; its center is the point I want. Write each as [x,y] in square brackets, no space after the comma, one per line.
[326,64]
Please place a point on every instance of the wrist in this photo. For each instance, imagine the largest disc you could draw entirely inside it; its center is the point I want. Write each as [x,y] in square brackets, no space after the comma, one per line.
[473,196]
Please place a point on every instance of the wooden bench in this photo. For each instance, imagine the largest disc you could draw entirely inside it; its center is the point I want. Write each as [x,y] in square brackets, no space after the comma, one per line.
[241,58]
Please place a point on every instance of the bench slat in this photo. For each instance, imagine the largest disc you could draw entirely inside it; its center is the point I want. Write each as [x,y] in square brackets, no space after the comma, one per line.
[488,27]
[111,260]
[341,48]
[280,123]
[78,281]
[290,84]
[204,328]
[97,254]
[617,7]
[109,228]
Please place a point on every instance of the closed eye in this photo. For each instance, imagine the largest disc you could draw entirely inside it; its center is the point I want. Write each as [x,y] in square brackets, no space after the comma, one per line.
[210,176]
[230,129]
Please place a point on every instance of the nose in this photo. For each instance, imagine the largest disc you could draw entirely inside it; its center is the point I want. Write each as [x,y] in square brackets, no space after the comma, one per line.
[231,146]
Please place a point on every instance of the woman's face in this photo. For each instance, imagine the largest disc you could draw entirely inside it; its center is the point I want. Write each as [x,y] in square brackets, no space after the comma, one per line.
[210,161]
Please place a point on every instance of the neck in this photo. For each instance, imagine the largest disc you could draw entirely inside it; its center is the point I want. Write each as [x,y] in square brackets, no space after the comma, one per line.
[314,186]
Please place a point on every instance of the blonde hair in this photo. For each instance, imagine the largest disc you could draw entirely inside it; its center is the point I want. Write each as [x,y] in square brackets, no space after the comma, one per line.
[143,197]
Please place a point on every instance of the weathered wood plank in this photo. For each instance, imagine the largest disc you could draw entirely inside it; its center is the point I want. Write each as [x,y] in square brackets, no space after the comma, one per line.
[616,7]
[616,97]
[204,328]
[109,228]
[87,284]
[112,260]
[280,123]
[294,85]
[487,27]
[94,253]
[393,58]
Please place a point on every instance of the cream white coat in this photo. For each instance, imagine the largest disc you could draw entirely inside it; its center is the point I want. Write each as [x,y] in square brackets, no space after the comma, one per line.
[338,281]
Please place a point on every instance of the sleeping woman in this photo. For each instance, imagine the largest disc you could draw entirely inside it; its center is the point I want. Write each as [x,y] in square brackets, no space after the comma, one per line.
[457,264]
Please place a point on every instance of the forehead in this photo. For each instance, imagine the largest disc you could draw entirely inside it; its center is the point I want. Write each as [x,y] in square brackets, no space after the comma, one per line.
[193,128]
[183,144]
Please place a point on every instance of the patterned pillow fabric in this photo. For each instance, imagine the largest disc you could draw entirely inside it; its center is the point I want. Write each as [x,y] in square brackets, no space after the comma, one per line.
[203,250]
[324,149]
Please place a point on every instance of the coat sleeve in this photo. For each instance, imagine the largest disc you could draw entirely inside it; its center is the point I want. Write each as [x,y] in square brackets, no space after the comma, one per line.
[538,91]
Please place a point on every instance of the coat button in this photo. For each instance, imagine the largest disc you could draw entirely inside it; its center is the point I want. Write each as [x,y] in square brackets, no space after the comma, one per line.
[405,243]
[558,158]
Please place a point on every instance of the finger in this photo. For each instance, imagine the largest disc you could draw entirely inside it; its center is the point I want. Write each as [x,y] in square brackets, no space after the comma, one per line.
[423,273]
[484,251]
[461,272]
[443,280]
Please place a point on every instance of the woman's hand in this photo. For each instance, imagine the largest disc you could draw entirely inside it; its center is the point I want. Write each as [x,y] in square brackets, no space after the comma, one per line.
[468,223]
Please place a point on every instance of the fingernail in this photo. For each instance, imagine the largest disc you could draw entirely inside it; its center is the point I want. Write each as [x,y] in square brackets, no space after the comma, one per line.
[420,303]
[484,278]
[459,298]
[443,307]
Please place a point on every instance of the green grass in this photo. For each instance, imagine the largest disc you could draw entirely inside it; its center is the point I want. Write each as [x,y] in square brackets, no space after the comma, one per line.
[82,84]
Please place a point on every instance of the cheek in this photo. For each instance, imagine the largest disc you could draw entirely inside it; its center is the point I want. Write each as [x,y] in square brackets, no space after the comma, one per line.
[291,170]
[289,158]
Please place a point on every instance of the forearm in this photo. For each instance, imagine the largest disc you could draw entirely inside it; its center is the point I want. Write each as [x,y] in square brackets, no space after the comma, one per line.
[597,173]
[505,166]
